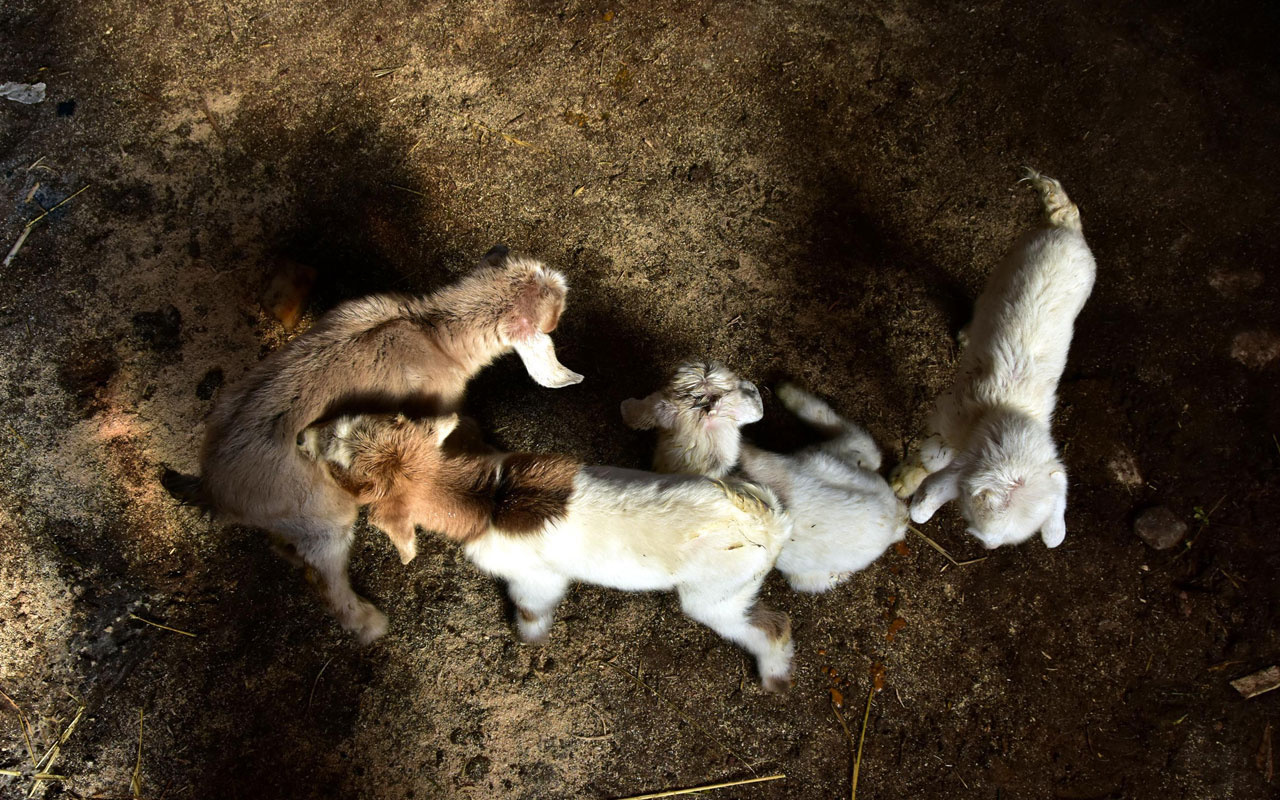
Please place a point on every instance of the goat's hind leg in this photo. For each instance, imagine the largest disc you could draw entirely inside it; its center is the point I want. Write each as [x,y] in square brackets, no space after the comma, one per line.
[741,619]
[536,597]
[850,443]
[324,548]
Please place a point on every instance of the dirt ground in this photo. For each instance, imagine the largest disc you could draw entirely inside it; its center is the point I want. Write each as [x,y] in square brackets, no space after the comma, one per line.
[814,190]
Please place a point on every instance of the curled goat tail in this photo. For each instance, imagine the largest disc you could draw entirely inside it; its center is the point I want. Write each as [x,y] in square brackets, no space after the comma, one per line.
[1059,211]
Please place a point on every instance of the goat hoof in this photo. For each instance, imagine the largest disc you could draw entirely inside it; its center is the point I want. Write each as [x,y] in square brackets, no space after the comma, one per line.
[371,625]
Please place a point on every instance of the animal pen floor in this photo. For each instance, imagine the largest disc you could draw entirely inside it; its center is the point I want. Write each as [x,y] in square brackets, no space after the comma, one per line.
[813,190]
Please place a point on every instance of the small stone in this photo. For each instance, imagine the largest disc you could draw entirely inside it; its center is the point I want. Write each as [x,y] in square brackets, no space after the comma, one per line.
[1258,683]
[477,768]
[1124,469]
[1160,528]
[1256,349]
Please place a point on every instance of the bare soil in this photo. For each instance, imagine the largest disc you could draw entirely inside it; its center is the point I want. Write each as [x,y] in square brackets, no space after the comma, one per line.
[813,190]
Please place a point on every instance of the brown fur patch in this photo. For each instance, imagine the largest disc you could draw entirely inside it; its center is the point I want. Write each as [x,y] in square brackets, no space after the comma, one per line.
[775,624]
[526,615]
[534,489]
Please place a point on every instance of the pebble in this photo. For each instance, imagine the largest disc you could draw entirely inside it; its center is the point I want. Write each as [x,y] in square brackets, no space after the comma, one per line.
[1256,349]
[1160,528]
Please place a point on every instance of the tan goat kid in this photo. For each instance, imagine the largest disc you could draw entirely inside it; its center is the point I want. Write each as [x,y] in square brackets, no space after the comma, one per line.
[379,353]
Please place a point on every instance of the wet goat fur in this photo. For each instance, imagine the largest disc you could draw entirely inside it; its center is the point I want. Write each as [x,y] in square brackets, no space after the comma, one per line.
[541,521]
[378,353]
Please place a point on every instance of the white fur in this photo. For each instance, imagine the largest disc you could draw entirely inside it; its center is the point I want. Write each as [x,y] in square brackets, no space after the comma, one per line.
[712,542]
[844,515]
[990,444]
[697,414]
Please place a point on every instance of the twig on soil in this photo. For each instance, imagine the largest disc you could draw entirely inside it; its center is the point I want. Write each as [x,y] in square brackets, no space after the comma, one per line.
[316,682]
[382,72]
[857,764]
[604,726]
[208,112]
[51,755]
[57,206]
[1264,759]
[849,738]
[406,189]
[706,788]
[26,729]
[163,627]
[680,714]
[135,783]
[13,251]
[944,553]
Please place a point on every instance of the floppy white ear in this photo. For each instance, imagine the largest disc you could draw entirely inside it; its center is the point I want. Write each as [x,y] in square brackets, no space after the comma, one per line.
[444,426]
[1054,529]
[653,411]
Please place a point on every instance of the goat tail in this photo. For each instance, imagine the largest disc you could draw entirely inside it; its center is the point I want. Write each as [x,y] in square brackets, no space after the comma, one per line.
[751,498]
[189,490]
[1059,211]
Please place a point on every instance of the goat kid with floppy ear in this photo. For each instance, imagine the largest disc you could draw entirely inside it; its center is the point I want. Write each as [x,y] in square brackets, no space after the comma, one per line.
[844,515]
[542,521]
[990,443]
[383,352]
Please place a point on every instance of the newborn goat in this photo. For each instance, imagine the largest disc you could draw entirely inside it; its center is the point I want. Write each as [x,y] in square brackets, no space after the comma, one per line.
[843,513]
[542,521]
[990,443]
[378,353]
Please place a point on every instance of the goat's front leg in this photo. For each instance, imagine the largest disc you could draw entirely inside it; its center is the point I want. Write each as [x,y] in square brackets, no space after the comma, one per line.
[937,490]
[536,596]
[393,520]
[538,353]
[932,455]
[323,546]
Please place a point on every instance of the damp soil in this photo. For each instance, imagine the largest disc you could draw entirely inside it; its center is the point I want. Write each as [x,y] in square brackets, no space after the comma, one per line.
[805,190]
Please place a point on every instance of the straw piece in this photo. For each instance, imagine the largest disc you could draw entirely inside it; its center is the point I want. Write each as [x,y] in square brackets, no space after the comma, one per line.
[707,787]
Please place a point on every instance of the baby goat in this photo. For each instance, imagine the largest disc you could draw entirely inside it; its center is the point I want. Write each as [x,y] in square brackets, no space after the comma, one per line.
[843,514]
[378,353]
[542,521]
[990,443]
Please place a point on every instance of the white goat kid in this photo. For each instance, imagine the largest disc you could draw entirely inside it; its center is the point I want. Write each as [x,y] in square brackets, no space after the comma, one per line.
[990,443]
[844,515]
[542,521]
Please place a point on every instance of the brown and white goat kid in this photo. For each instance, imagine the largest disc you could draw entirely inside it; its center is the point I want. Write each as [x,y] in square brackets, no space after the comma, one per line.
[542,521]
[843,513]
[379,353]
[990,443]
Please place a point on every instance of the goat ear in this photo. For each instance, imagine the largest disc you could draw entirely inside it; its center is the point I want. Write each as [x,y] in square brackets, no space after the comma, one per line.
[652,412]
[444,426]
[495,257]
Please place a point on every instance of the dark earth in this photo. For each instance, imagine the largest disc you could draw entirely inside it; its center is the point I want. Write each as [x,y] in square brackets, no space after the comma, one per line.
[809,190]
